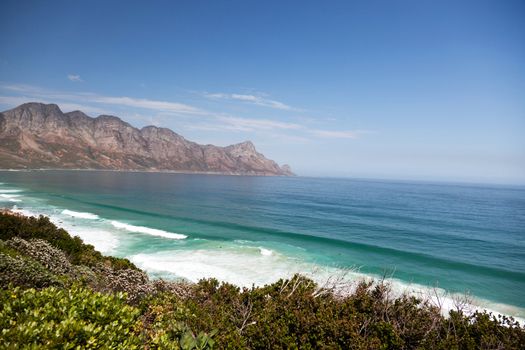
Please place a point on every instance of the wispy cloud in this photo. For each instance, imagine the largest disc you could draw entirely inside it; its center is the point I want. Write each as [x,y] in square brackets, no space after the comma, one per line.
[300,132]
[246,124]
[19,87]
[36,93]
[75,78]
[334,134]
[221,122]
[253,99]
[161,106]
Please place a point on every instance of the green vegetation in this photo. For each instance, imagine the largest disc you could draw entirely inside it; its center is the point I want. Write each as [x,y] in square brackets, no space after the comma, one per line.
[57,292]
[66,318]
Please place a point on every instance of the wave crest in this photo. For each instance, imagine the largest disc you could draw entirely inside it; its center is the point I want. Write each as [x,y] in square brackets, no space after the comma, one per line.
[147,230]
[10,197]
[9,190]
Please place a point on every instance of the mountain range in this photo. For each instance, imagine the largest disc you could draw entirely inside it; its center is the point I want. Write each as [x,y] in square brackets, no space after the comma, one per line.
[36,135]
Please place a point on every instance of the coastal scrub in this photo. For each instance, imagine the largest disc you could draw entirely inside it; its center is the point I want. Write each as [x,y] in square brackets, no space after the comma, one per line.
[57,292]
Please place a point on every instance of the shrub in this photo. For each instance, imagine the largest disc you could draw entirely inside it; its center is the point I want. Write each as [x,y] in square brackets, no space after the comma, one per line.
[50,257]
[292,314]
[134,283]
[23,272]
[62,318]
[165,324]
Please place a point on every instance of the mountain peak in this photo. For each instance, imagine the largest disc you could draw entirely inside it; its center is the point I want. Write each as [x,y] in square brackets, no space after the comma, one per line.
[49,108]
[287,170]
[246,146]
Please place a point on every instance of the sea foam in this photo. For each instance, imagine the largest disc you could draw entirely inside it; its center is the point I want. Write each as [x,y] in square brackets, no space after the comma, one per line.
[103,240]
[10,197]
[265,252]
[147,230]
[80,215]
[9,191]
[23,212]
[245,268]
[242,268]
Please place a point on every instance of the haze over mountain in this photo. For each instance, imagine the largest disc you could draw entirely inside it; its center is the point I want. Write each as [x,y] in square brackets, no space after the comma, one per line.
[36,135]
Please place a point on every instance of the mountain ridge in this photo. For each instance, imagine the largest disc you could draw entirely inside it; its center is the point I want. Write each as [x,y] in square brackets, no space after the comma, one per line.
[40,136]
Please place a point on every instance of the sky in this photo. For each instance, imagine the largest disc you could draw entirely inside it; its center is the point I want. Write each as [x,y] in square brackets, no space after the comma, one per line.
[408,89]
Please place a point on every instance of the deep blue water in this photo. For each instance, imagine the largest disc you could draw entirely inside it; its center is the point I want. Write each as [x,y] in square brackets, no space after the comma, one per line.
[248,230]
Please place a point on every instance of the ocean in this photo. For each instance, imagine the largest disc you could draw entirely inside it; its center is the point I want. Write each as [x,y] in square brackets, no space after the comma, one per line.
[428,239]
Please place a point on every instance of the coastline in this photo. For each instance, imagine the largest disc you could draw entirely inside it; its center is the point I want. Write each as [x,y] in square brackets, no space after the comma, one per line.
[159,171]
[82,222]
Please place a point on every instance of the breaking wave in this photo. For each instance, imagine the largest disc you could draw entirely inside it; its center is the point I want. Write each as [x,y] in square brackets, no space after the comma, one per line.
[147,230]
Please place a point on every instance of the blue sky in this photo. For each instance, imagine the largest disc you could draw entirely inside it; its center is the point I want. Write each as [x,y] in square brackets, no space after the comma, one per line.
[429,90]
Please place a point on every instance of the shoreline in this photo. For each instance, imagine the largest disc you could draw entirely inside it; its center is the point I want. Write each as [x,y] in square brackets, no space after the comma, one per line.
[328,177]
[147,171]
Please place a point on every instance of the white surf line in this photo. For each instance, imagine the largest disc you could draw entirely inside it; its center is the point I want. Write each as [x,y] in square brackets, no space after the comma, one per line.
[10,197]
[147,230]
[246,269]
[10,191]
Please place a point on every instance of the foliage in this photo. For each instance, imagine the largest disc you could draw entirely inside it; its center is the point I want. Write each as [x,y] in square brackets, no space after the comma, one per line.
[25,273]
[50,257]
[292,314]
[165,323]
[66,318]
[134,282]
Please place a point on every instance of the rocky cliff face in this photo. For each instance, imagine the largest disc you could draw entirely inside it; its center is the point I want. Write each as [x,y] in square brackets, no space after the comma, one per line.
[36,135]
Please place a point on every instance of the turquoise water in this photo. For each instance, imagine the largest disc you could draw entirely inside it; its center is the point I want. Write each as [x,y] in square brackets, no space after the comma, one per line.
[254,230]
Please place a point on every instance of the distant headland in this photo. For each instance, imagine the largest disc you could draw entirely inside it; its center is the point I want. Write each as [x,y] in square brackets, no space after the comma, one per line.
[40,136]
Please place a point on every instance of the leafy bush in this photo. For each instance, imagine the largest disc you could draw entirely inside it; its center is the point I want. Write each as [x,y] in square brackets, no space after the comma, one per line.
[165,324]
[294,314]
[52,318]
[50,257]
[135,283]
[20,271]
